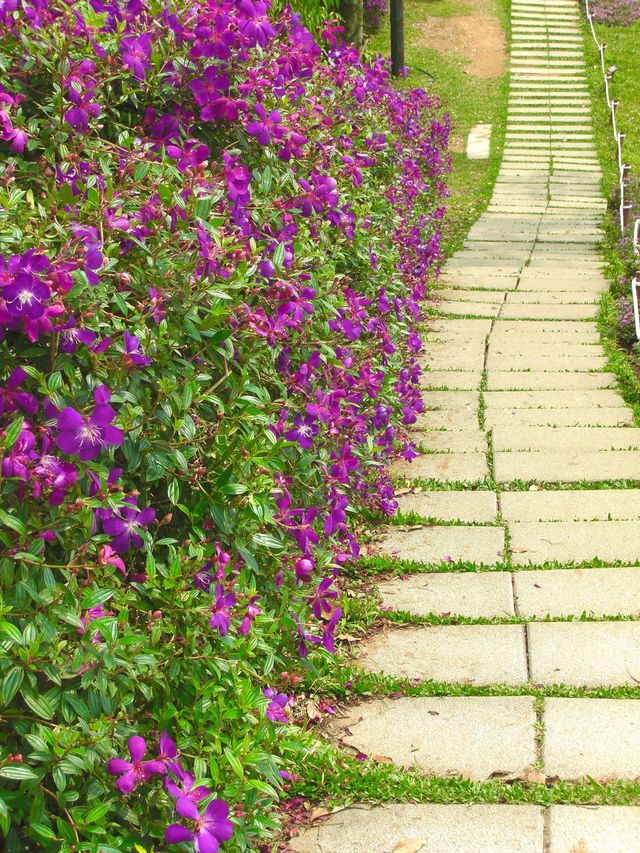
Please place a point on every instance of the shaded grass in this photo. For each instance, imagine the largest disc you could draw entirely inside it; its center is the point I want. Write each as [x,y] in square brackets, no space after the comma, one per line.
[470,100]
[338,779]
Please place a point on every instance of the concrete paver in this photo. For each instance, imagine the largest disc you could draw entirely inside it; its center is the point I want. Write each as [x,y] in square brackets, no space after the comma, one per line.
[479,507]
[448,544]
[442,828]
[472,736]
[599,738]
[571,592]
[469,594]
[585,654]
[464,654]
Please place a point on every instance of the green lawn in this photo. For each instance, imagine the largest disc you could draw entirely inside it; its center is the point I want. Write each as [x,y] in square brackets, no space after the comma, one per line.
[469,100]
[623,51]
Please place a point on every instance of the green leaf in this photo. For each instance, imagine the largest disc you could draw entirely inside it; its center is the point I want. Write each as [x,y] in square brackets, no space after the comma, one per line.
[234,763]
[18,772]
[11,684]
[12,432]
[13,522]
[10,632]
[173,491]
[40,705]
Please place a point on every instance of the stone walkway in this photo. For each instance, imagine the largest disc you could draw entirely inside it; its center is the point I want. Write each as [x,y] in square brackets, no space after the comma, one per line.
[520,411]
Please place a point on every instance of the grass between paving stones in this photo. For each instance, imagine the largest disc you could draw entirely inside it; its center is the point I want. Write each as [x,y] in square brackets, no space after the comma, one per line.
[380,564]
[338,779]
[469,99]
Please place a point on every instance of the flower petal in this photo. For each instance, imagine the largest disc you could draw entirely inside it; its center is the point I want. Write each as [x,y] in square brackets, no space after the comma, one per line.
[118,766]
[137,748]
[186,808]
[176,834]
[206,842]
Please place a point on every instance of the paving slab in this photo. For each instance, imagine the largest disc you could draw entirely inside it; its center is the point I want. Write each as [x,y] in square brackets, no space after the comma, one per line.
[546,311]
[599,829]
[470,594]
[463,421]
[571,505]
[449,441]
[438,828]
[454,467]
[461,654]
[477,507]
[570,466]
[433,544]
[585,654]
[552,399]
[471,736]
[454,380]
[599,738]
[604,417]
[537,543]
[571,592]
[507,380]
[576,439]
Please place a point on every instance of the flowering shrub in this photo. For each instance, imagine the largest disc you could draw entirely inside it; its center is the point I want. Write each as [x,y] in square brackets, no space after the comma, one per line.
[215,238]
[375,12]
[615,12]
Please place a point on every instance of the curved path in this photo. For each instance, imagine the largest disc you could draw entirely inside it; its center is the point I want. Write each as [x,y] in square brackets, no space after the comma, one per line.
[517,396]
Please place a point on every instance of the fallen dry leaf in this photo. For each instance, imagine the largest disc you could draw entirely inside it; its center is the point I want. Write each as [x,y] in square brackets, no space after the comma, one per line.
[519,550]
[410,845]
[320,812]
[581,847]
[535,776]
[313,712]
[383,759]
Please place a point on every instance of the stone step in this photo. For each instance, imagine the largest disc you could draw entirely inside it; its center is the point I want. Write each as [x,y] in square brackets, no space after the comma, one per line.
[437,545]
[552,380]
[460,654]
[604,417]
[563,439]
[552,399]
[454,467]
[469,594]
[574,654]
[584,654]
[553,593]
[474,828]
[568,465]
[539,542]
[572,505]
[477,507]
[471,736]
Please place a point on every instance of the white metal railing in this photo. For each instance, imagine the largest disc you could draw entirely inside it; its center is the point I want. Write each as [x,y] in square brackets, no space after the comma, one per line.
[624,211]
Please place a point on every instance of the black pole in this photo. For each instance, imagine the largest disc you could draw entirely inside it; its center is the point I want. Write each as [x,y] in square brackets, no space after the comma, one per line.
[397,36]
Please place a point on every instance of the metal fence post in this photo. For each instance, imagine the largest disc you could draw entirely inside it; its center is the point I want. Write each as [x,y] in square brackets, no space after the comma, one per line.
[397,36]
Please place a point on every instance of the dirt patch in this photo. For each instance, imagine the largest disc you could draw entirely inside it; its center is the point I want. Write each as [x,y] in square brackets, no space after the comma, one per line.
[478,38]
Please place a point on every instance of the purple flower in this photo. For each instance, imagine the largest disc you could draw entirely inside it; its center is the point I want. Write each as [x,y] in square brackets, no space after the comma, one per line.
[125,523]
[71,335]
[11,398]
[277,705]
[136,53]
[133,772]
[133,355]
[86,436]
[221,611]
[24,296]
[211,828]
[187,788]
[167,749]
[304,430]
[267,127]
